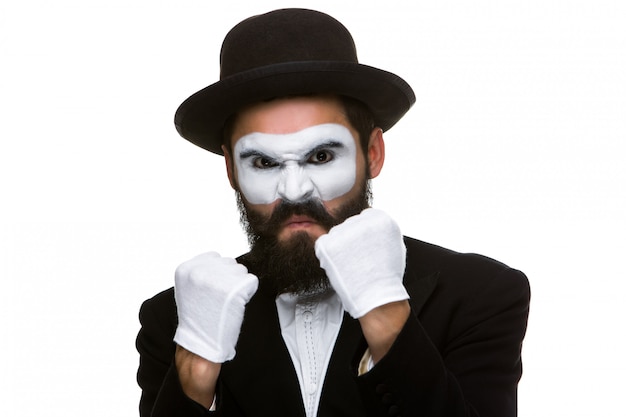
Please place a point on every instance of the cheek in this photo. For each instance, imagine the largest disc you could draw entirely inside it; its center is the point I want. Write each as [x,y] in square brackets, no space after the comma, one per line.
[258,187]
[335,180]
[260,212]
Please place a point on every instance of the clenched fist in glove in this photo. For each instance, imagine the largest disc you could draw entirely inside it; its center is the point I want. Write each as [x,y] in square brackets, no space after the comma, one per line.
[364,258]
[211,294]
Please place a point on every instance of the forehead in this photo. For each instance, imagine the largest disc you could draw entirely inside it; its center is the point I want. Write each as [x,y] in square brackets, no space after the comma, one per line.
[289,115]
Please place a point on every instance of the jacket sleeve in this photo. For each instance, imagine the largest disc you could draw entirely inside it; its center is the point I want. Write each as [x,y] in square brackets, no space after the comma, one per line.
[162,394]
[472,370]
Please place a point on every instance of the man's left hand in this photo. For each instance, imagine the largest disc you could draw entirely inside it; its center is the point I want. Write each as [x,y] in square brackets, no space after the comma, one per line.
[364,258]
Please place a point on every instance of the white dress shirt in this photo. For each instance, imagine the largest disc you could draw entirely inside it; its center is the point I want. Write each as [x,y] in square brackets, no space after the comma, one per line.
[309,328]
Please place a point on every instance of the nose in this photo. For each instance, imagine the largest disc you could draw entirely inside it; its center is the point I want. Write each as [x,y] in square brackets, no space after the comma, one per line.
[295,184]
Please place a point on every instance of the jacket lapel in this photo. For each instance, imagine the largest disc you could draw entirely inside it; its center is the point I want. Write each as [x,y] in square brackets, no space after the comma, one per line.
[262,371]
[340,396]
[420,289]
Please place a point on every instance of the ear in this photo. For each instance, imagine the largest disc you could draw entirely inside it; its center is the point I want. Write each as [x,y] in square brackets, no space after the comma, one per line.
[229,166]
[376,152]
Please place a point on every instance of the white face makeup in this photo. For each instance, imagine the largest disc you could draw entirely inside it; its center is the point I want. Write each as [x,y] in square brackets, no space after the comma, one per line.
[316,162]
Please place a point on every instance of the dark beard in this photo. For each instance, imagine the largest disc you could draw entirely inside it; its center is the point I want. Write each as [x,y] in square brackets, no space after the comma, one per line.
[291,266]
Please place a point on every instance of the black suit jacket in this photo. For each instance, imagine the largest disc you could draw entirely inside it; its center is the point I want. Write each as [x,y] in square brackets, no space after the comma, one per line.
[459,353]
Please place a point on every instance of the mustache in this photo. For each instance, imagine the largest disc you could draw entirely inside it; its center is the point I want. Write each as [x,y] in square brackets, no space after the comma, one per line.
[311,208]
[264,226]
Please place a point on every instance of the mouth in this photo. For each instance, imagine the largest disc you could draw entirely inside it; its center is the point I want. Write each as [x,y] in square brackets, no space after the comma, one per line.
[299,222]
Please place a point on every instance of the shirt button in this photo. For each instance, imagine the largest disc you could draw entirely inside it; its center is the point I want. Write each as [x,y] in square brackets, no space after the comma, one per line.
[312,388]
[307,316]
[394,410]
[381,389]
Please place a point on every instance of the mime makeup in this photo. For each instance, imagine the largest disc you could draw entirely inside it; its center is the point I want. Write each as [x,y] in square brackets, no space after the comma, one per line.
[316,162]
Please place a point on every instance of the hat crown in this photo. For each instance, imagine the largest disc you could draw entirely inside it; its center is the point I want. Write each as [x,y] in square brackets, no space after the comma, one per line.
[286,35]
[284,53]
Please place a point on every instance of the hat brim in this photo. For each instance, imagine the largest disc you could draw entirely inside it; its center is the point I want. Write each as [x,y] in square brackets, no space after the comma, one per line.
[200,119]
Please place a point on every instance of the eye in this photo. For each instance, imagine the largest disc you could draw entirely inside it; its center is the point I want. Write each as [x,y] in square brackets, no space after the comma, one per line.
[264,163]
[320,157]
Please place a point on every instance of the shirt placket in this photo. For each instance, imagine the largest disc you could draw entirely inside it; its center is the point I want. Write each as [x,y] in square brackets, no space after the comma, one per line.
[311,361]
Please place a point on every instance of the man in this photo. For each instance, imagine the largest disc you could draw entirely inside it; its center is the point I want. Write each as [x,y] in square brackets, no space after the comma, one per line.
[332,312]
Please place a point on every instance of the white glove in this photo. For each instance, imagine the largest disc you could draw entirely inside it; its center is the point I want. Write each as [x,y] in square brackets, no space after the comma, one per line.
[211,294]
[364,258]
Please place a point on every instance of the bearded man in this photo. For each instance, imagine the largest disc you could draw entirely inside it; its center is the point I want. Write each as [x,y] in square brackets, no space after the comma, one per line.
[332,312]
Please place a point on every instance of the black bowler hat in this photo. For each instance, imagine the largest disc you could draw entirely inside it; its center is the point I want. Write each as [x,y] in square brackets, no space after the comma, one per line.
[288,52]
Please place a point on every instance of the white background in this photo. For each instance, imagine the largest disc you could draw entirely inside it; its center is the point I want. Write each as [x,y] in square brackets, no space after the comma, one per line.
[515,149]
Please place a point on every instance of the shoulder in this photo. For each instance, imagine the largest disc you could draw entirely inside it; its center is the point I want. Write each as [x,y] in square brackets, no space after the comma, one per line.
[456,295]
[159,310]
[426,259]
[463,281]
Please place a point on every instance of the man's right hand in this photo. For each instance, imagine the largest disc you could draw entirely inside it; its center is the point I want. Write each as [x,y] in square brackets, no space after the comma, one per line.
[211,294]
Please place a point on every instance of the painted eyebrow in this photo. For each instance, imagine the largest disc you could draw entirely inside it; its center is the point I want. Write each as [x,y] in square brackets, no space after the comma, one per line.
[326,145]
[322,146]
[253,153]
